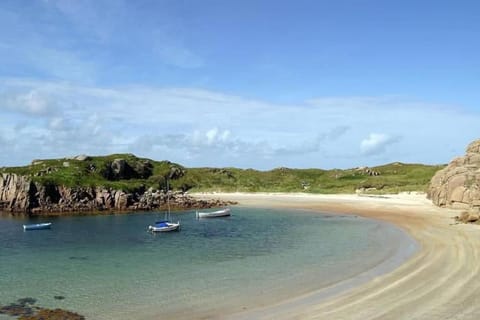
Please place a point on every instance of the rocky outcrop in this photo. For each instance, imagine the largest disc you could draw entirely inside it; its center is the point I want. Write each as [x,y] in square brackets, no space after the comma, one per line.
[458,184]
[25,309]
[469,216]
[19,194]
[120,169]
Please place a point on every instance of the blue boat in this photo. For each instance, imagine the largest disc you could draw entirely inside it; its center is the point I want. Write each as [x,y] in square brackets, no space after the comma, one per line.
[37,226]
[165,225]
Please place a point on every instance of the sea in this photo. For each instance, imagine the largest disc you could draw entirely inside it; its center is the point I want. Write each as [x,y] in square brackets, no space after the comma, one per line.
[110,267]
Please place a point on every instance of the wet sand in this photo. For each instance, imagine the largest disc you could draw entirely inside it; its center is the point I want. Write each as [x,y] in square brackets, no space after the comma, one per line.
[441,281]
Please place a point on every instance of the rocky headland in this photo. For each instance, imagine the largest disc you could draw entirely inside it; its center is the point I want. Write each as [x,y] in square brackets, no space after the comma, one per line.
[457,186]
[19,194]
[37,193]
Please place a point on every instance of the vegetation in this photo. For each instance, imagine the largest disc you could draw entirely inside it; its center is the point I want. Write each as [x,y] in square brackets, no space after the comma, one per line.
[391,178]
[132,173]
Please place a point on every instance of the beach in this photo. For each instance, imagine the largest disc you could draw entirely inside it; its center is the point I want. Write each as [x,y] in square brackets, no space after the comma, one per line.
[440,281]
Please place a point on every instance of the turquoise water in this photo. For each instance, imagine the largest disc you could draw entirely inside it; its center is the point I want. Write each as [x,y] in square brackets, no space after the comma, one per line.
[109,267]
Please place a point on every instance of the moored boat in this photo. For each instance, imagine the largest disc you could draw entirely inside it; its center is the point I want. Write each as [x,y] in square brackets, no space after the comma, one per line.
[214,214]
[164,226]
[37,226]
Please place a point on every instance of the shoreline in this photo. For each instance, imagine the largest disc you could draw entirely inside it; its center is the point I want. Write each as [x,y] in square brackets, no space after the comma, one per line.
[439,281]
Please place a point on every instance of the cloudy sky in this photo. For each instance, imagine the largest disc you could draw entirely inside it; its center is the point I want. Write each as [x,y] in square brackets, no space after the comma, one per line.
[247,83]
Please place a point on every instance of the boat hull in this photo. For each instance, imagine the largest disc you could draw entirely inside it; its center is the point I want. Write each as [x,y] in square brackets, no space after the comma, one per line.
[214,214]
[37,226]
[169,226]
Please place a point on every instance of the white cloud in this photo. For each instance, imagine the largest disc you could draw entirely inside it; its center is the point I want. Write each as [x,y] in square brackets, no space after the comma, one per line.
[376,143]
[224,135]
[205,128]
[30,102]
[211,135]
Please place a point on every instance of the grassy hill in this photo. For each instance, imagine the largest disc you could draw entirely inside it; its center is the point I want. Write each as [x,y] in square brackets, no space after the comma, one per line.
[392,178]
[132,173]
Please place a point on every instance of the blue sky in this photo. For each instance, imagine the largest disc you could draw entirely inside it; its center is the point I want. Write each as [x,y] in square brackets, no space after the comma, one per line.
[257,84]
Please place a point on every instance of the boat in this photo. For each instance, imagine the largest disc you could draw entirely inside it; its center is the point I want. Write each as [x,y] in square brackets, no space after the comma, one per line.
[37,226]
[214,214]
[165,225]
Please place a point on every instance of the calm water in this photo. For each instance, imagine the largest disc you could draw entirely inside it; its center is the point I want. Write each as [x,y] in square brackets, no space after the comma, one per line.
[109,267]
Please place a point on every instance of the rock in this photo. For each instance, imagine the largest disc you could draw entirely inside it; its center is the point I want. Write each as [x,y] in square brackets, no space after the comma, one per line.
[469,216]
[473,217]
[474,147]
[19,195]
[23,307]
[176,172]
[120,169]
[143,169]
[122,200]
[458,184]
[82,157]
[53,314]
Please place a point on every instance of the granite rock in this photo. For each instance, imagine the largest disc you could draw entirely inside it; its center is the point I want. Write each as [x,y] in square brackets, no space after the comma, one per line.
[458,184]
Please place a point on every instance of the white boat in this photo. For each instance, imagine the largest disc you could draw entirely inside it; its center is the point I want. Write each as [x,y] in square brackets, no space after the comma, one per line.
[165,225]
[37,226]
[214,214]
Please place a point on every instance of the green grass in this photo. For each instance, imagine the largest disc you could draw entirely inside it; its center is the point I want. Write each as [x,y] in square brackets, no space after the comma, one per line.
[393,178]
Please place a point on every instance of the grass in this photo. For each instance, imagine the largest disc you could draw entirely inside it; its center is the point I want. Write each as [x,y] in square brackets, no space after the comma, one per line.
[392,178]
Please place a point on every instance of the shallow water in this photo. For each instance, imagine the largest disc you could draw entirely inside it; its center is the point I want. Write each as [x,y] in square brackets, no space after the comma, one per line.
[109,267]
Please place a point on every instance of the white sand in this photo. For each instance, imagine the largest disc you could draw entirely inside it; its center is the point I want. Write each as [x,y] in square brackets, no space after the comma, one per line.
[441,281]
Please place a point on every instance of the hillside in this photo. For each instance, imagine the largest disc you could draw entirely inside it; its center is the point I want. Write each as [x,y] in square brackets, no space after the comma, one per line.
[93,184]
[390,178]
[129,173]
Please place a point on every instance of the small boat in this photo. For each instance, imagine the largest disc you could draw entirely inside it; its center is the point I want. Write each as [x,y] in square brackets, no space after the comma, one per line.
[37,226]
[165,225]
[214,214]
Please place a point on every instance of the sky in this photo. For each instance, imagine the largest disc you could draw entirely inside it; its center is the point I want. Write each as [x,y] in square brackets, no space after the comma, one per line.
[241,83]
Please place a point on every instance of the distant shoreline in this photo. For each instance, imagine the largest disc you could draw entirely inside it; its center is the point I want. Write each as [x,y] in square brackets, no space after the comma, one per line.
[438,281]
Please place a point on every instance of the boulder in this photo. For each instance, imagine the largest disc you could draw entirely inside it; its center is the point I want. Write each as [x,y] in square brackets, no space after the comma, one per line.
[473,217]
[469,216]
[82,157]
[458,184]
[120,169]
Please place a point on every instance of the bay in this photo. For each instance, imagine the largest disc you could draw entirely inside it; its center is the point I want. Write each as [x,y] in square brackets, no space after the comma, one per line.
[110,267]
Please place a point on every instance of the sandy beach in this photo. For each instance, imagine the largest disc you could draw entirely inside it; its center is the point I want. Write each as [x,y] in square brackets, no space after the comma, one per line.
[440,281]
